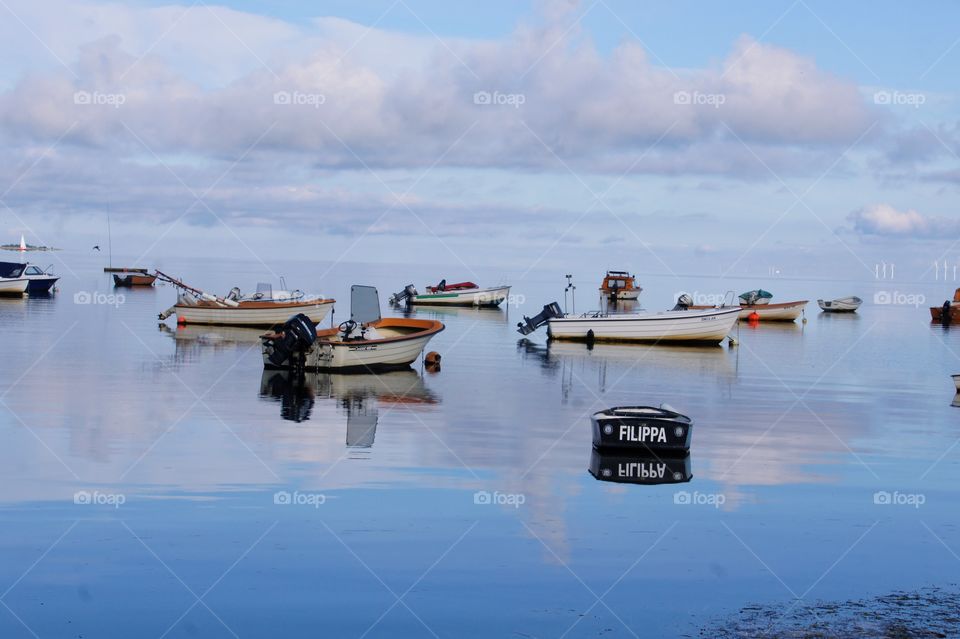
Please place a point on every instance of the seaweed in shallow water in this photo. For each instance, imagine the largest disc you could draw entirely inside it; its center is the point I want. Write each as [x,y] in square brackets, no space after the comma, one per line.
[923,614]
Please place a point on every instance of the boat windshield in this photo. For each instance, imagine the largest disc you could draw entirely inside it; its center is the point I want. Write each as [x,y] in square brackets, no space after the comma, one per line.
[364,304]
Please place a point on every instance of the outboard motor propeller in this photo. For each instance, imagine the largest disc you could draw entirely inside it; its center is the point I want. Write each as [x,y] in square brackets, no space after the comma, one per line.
[684,302]
[530,324]
[409,291]
[297,335]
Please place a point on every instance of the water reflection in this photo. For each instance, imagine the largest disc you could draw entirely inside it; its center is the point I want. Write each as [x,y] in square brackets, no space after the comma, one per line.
[360,397]
[459,313]
[645,469]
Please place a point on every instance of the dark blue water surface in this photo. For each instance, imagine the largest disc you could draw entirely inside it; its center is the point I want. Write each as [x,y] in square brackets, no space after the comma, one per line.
[190,452]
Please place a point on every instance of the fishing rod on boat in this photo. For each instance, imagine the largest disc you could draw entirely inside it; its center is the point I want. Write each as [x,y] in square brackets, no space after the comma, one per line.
[573,294]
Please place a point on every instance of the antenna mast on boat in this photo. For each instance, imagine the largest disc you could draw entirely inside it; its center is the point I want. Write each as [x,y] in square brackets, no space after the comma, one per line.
[109,239]
[573,294]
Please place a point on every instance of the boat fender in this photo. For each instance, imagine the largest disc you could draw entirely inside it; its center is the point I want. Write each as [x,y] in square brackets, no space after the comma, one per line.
[229,302]
[590,335]
[754,316]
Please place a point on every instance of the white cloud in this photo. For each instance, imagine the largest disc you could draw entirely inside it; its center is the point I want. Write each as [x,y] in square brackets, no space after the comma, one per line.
[883,219]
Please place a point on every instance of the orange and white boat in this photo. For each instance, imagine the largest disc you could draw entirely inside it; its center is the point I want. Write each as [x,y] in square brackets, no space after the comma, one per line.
[364,343]
[620,285]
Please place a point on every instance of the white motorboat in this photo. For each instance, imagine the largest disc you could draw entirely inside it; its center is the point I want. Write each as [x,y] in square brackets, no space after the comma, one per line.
[460,294]
[364,343]
[711,325]
[265,308]
[841,305]
[785,312]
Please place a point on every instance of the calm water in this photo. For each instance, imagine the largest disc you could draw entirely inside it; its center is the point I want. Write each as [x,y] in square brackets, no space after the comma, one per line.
[185,446]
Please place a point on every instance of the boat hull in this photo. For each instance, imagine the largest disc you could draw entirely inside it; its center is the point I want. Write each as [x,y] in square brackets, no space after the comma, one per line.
[257,314]
[39,285]
[133,279]
[472,297]
[642,429]
[706,326]
[785,312]
[936,314]
[624,295]
[13,286]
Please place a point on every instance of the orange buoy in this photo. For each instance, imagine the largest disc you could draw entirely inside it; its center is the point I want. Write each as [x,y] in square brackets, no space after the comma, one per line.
[754,316]
[432,361]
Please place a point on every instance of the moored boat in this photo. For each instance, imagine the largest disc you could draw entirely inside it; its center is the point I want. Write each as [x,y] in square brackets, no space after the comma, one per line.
[642,427]
[840,305]
[265,308]
[134,279]
[784,312]
[949,312]
[460,294]
[710,325]
[620,285]
[364,343]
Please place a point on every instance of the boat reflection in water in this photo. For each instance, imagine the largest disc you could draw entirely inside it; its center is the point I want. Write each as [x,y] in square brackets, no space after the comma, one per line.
[360,397]
[639,468]
[469,313]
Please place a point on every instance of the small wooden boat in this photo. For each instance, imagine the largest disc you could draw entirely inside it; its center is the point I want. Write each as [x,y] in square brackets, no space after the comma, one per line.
[646,469]
[642,427]
[460,294]
[620,285]
[265,308]
[709,325]
[134,279]
[364,343]
[841,305]
[785,312]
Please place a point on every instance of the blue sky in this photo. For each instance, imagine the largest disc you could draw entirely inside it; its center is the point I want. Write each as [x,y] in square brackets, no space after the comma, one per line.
[667,136]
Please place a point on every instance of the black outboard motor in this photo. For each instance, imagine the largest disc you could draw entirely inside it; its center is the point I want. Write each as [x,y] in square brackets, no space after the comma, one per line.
[530,324]
[298,334]
[684,302]
[442,286]
[945,313]
[409,291]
